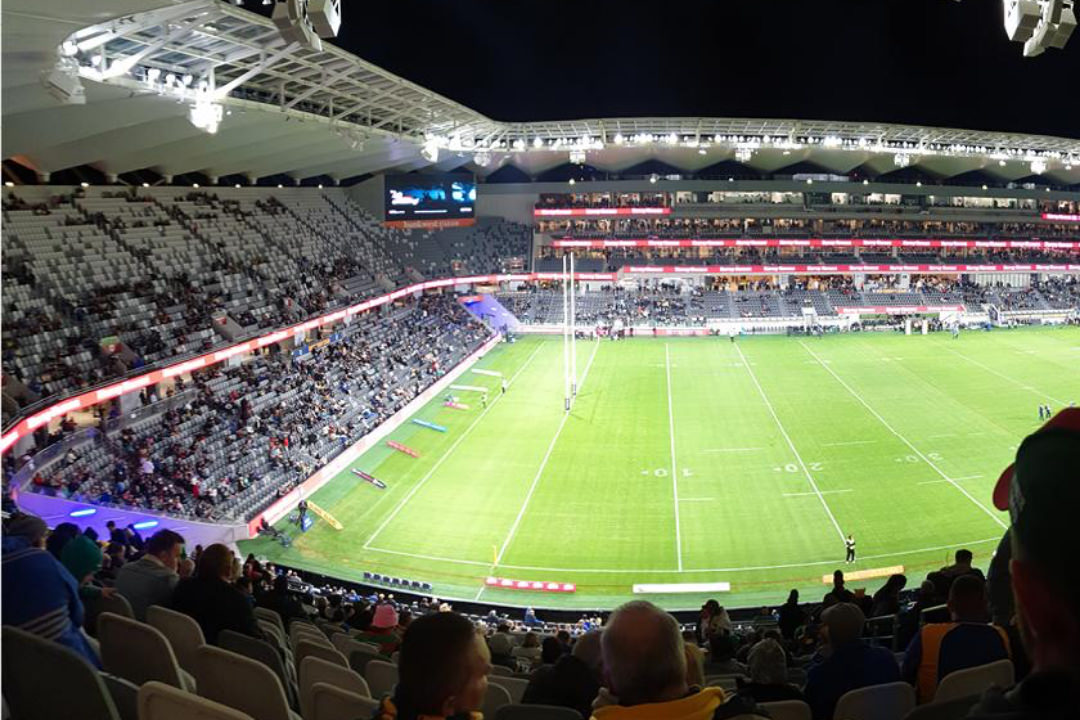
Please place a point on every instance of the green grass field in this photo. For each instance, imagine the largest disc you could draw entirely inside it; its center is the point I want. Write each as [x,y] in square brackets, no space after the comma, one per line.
[699,460]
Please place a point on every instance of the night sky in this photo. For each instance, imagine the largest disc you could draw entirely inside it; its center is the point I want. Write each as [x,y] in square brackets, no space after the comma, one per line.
[925,62]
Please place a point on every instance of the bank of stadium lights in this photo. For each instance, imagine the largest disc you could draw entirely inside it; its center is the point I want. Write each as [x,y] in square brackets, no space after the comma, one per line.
[1038,166]
[1039,24]
[901,160]
[744,154]
[577,157]
[482,158]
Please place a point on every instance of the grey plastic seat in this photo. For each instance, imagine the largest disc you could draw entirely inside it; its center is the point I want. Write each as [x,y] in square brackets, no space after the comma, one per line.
[140,653]
[183,633]
[263,652]
[158,701]
[242,683]
[29,660]
[329,702]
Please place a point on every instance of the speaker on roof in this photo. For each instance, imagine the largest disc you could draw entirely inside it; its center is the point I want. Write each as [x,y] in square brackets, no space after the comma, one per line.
[325,17]
[293,22]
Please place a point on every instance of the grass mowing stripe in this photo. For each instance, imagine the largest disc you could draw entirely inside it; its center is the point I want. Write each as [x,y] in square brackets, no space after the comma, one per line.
[791,445]
[674,469]
[543,464]
[449,451]
[1003,376]
[903,439]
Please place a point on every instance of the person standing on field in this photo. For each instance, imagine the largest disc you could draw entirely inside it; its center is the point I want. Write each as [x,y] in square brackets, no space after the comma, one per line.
[849,545]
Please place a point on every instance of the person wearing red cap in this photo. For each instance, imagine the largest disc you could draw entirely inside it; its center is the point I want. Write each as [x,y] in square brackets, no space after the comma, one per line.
[1041,491]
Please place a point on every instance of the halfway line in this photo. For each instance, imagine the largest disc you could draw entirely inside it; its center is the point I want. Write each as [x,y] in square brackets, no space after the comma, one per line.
[790,444]
[903,439]
[445,455]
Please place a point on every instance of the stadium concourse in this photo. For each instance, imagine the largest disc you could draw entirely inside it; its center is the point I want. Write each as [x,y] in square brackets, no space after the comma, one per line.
[325,396]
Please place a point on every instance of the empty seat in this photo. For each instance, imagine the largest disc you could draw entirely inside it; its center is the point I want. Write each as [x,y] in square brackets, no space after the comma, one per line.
[158,701]
[329,702]
[889,701]
[307,648]
[496,697]
[536,712]
[29,661]
[974,681]
[264,652]
[788,710]
[139,653]
[270,615]
[316,670]
[381,677]
[515,686]
[240,682]
[361,656]
[183,633]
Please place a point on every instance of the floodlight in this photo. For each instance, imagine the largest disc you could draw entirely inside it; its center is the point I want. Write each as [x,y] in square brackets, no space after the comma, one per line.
[1038,166]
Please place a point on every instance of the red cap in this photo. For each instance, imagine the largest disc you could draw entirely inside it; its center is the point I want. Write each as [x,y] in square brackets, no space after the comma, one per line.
[1069,418]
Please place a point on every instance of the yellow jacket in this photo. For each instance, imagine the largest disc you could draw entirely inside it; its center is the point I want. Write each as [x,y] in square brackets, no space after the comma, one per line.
[699,706]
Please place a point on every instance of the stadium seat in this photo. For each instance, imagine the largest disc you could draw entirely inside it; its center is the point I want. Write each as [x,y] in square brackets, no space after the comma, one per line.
[242,683]
[515,686]
[117,604]
[125,695]
[306,632]
[29,660]
[158,701]
[272,616]
[974,681]
[728,682]
[501,670]
[273,631]
[316,670]
[263,652]
[346,644]
[329,702]
[138,652]
[536,712]
[183,633]
[307,648]
[496,697]
[788,710]
[361,656]
[381,677]
[945,710]
[890,701]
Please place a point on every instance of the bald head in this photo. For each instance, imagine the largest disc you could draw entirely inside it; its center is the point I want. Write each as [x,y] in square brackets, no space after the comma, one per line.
[643,655]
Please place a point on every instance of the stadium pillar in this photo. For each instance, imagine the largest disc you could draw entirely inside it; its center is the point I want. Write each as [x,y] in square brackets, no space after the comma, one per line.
[566,342]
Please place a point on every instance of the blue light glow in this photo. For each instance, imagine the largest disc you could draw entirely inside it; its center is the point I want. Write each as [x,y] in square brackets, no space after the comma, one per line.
[83,512]
[145,525]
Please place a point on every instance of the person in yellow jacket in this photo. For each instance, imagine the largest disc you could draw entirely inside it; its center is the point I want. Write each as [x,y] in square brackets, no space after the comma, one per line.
[644,660]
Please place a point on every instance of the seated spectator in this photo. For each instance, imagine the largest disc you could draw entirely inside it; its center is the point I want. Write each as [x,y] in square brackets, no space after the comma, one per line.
[550,651]
[961,566]
[849,663]
[530,649]
[791,616]
[212,600]
[59,537]
[502,650]
[383,630]
[39,595]
[722,657]
[442,671]
[151,579]
[645,670]
[838,594]
[283,602]
[768,674]
[968,641]
[887,599]
[83,558]
[1041,494]
[572,681]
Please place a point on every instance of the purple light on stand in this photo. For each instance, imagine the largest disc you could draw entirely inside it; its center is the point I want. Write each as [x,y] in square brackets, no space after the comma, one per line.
[145,525]
[83,512]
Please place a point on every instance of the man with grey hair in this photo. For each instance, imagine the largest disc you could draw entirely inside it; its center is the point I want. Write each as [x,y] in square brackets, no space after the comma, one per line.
[645,670]
[573,681]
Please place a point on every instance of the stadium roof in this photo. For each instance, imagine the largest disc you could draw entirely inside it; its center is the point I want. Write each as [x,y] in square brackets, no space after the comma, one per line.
[159,76]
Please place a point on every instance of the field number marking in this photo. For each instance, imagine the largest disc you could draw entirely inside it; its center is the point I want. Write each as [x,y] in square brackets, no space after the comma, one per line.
[663,472]
[787,438]
[793,468]
[904,440]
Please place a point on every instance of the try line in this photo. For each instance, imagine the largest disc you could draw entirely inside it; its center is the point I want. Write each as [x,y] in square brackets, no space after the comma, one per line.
[449,450]
[674,470]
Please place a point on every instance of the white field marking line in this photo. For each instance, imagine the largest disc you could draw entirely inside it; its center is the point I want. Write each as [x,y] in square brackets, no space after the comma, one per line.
[850,442]
[696,499]
[674,470]
[959,479]
[1003,376]
[903,439]
[823,492]
[449,450]
[726,450]
[669,571]
[791,445]
[543,464]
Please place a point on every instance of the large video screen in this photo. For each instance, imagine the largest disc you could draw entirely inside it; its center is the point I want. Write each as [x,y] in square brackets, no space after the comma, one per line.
[430,197]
